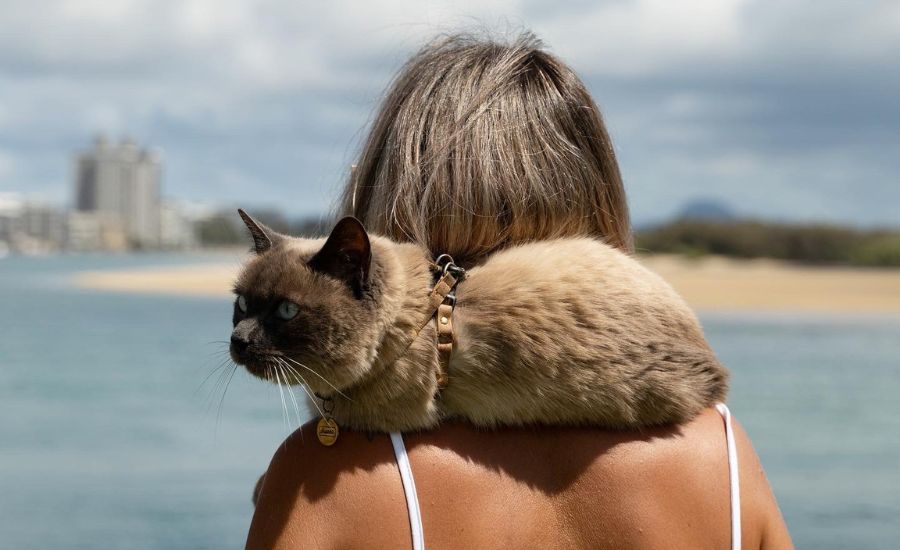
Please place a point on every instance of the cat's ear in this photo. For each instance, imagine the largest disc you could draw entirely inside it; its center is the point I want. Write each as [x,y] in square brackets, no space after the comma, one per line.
[263,237]
[346,254]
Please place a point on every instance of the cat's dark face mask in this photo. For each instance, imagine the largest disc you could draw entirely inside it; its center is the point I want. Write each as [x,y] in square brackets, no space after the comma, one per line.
[301,306]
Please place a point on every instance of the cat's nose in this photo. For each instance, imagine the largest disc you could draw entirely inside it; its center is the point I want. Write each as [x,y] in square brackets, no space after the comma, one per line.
[238,344]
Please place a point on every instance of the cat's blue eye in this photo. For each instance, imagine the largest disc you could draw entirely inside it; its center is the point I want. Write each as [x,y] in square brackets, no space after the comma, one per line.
[242,303]
[287,310]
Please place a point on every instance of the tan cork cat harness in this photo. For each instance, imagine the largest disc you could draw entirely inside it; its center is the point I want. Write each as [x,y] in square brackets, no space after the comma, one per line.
[443,299]
[439,306]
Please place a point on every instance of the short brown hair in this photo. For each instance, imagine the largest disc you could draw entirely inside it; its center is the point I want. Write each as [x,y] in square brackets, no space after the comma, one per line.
[480,145]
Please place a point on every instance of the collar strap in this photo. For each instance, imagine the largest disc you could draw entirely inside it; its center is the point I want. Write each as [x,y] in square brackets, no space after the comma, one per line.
[442,300]
[442,289]
[444,323]
[439,306]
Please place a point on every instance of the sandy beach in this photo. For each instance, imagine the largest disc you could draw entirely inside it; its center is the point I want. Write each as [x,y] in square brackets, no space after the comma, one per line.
[708,284]
[768,285]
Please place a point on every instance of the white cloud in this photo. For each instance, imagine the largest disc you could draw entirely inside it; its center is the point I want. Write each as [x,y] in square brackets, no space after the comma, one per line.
[641,37]
[7,167]
[246,96]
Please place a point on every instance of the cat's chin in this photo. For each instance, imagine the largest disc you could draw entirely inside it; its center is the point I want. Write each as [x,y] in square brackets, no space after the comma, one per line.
[258,367]
[260,370]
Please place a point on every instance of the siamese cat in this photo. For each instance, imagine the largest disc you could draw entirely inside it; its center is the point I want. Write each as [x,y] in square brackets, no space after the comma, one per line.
[561,332]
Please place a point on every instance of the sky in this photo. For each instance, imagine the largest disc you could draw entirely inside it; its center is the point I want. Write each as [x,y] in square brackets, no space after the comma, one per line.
[786,110]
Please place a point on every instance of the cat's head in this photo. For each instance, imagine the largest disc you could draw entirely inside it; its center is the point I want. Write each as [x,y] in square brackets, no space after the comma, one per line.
[304,307]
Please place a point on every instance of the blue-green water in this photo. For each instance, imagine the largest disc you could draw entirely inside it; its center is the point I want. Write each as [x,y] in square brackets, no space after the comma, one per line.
[106,442]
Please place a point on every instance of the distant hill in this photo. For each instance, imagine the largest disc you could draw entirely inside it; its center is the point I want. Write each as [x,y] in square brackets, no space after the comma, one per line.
[711,210]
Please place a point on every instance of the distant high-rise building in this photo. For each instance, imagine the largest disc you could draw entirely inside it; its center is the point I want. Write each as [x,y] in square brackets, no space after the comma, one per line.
[120,182]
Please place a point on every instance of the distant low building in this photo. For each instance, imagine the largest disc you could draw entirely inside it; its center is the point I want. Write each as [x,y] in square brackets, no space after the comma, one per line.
[30,227]
[177,231]
[95,231]
[10,221]
[122,183]
[45,225]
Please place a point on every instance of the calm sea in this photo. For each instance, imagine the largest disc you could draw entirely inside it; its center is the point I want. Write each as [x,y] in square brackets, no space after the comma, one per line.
[109,437]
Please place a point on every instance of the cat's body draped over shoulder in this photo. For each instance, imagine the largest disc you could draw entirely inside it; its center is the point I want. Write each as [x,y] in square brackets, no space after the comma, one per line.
[561,332]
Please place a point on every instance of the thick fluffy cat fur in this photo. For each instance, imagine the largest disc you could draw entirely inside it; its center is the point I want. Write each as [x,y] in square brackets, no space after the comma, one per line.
[567,331]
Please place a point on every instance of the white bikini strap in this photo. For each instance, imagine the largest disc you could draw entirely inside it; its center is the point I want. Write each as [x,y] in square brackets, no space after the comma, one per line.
[409,488]
[415,514]
[733,478]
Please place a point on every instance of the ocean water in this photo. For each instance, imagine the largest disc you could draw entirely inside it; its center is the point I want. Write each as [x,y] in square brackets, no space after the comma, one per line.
[110,438]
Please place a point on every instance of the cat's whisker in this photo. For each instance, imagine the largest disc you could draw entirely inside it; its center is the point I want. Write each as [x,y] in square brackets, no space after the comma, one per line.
[342,394]
[293,397]
[309,394]
[296,406]
[297,376]
[301,381]
[277,381]
[224,392]
[220,379]
[313,399]
[222,364]
[284,414]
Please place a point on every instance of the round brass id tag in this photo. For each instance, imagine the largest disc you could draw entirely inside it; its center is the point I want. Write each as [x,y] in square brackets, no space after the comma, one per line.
[327,431]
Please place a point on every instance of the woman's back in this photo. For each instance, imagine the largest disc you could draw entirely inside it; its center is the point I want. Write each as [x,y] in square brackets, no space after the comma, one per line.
[518,488]
[479,146]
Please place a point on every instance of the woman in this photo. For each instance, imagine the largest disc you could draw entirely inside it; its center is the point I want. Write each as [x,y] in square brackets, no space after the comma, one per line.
[479,146]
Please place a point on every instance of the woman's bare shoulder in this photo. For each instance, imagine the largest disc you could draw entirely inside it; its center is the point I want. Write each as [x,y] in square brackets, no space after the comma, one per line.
[309,489]
[356,482]
[313,467]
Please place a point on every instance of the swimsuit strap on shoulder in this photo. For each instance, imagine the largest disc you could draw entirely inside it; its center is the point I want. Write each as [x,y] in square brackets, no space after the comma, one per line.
[415,514]
[734,480]
[409,489]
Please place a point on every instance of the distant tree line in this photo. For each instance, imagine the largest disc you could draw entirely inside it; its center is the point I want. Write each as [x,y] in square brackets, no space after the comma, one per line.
[226,228]
[813,244]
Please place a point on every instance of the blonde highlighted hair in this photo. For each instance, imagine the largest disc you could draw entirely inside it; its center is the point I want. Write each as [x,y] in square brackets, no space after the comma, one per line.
[480,145]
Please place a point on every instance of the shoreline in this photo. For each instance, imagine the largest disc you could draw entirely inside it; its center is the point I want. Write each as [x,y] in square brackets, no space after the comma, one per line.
[728,284]
[712,284]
